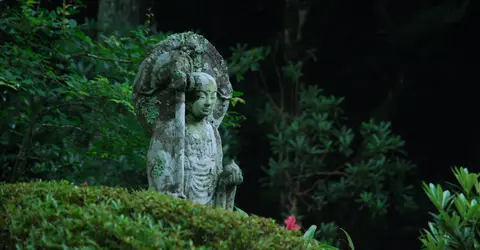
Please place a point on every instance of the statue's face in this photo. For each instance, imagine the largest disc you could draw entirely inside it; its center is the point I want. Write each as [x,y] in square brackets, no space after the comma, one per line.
[206,98]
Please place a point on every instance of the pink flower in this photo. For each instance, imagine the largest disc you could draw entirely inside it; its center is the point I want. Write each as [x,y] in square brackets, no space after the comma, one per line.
[290,222]
[85,184]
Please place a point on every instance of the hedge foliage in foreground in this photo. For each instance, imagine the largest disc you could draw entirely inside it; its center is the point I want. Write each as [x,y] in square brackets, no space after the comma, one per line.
[46,215]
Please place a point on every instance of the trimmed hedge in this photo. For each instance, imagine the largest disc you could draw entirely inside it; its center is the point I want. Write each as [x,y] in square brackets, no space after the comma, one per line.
[56,215]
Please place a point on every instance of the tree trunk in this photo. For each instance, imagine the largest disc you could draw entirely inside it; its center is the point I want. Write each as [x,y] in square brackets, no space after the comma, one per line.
[388,107]
[118,16]
[295,14]
[21,161]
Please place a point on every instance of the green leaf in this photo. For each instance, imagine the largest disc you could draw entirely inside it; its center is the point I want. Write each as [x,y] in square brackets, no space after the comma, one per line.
[310,234]
[467,180]
[237,93]
[41,92]
[350,242]
[473,212]
[241,211]
[235,100]
[3,83]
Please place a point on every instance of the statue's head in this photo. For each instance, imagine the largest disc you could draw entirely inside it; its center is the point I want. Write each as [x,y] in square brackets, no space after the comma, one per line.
[201,101]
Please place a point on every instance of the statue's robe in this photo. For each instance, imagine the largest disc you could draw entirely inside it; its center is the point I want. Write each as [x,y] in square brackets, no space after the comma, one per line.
[159,101]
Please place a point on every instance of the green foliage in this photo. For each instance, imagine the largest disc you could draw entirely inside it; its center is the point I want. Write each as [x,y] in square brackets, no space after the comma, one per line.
[315,160]
[241,211]
[319,164]
[456,223]
[350,242]
[244,60]
[310,233]
[241,61]
[68,105]
[40,215]
[66,99]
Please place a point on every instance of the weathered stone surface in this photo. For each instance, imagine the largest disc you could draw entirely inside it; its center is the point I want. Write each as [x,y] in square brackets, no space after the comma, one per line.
[181,94]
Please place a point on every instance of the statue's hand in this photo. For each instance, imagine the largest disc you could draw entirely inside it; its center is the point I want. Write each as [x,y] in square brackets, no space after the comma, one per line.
[183,81]
[178,195]
[237,173]
[177,67]
[231,175]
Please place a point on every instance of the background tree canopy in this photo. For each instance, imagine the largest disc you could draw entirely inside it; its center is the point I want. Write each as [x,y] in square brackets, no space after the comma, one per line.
[340,109]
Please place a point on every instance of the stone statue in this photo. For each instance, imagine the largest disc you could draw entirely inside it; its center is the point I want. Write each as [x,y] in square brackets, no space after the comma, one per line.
[181,94]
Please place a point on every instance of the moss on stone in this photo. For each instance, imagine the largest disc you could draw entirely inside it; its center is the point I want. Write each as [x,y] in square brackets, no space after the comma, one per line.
[160,162]
[41,215]
[149,109]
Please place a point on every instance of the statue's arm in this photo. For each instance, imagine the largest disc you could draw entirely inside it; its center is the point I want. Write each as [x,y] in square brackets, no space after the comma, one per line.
[163,169]
[228,181]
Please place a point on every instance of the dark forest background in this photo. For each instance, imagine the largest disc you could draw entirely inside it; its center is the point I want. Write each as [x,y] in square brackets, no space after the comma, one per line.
[411,63]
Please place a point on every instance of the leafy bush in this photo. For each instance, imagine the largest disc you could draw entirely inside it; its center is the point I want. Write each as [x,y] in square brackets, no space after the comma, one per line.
[40,215]
[66,99]
[319,165]
[456,224]
[68,111]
